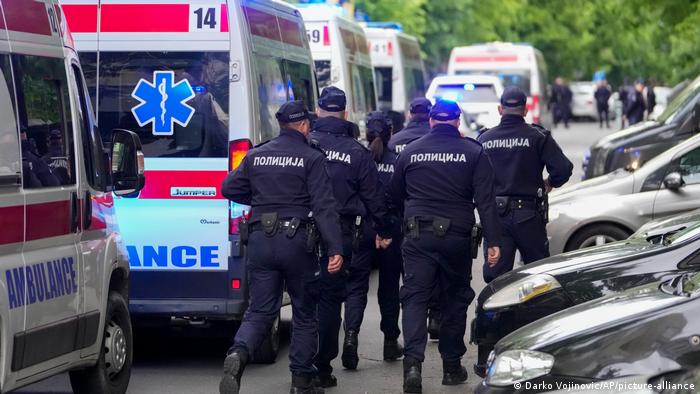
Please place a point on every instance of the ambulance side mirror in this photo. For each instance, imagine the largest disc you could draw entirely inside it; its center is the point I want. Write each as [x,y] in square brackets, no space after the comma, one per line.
[127,163]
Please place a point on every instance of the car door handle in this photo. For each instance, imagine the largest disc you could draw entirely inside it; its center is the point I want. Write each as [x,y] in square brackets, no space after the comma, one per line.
[87,210]
[74,215]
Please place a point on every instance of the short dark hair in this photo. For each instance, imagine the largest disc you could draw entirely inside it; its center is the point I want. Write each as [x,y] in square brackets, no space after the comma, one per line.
[291,125]
[513,110]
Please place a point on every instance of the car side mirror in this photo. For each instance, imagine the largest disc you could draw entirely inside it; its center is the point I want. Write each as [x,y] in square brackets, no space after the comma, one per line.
[674,181]
[127,163]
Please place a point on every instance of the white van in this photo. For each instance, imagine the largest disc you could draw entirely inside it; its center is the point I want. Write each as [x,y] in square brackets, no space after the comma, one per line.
[341,54]
[200,83]
[516,64]
[398,67]
[63,303]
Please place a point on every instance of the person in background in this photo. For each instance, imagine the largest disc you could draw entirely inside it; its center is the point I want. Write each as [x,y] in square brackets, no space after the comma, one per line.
[623,94]
[561,98]
[417,126]
[602,97]
[651,97]
[634,111]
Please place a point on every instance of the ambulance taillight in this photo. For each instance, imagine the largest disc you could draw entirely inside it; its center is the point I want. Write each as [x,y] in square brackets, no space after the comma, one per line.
[237,151]
[533,106]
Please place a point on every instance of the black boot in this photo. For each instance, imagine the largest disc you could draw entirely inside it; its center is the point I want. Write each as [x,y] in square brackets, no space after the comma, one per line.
[326,381]
[304,384]
[234,365]
[453,374]
[412,376]
[434,326]
[392,349]
[349,357]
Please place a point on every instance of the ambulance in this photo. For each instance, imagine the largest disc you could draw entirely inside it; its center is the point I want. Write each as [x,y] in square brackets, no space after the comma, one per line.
[64,280]
[398,67]
[516,64]
[341,55]
[199,82]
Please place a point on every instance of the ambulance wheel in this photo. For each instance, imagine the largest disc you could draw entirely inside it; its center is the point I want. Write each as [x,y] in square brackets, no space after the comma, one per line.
[267,353]
[113,369]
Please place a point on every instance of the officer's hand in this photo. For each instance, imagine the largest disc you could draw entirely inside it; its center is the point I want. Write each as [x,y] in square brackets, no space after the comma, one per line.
[494,254]
[547,186]
[335,263]
[382,243]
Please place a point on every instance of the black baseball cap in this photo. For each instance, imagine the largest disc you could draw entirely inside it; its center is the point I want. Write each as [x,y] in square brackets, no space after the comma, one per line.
[378,121]
[292,111]
[420,105]
[332,99]
[513,97]
[444,110]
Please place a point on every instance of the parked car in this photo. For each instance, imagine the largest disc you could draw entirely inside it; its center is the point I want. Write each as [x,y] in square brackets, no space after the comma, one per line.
[643,141]
[611,207]
[583,103]
[671,382]
[540,289]
[477,95]
[644,330]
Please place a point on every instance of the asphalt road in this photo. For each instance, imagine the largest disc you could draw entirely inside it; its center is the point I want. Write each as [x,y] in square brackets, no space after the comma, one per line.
[175,363]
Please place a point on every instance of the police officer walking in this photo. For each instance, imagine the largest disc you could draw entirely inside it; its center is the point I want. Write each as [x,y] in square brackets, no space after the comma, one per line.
[635,107]
[417,126]
[379,128]
[602,97]
[283,180]
[519,152]
[354,178]
[439,178]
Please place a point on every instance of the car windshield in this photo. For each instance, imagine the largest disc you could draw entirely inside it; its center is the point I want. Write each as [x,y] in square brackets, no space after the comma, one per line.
[680,102]
[467,93]
[687,233]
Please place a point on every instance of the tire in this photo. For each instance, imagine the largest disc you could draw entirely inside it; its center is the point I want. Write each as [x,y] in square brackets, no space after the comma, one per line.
[106,376]
[267,352]
[597,234]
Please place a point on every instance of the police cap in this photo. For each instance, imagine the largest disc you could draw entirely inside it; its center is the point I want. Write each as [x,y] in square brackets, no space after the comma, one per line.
[513,97]
[445,110]
[292,111]
[420,105]
[332,99]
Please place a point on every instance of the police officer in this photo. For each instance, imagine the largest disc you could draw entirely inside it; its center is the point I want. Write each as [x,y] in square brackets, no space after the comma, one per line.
[354,178]
[379,128]
[635,107]
[519,152]
[602,97]
[283,180]
[417,126]
[439,178]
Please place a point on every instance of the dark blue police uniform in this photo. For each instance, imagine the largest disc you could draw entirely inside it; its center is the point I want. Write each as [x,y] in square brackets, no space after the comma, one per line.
[519,152]
[417,126]
[388,260]
[439,178]
[635,106]
[354,179]
[283,181]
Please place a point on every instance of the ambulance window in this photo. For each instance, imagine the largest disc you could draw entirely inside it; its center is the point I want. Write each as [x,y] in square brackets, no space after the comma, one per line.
[383,76]
[272,93]
[367,80]
[88,61]
[45,121]
[9,141]
[204,133]
[323,73]
[300,76]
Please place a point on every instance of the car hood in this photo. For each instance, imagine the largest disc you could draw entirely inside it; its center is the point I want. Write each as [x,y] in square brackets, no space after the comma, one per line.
[626,133]
[591,317]
[615,183]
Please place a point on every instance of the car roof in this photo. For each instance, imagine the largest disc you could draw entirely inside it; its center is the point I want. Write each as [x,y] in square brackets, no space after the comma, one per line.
[467,78]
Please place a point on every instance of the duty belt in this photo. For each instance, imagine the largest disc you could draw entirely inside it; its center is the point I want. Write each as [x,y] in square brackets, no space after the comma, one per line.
[520,203]
[282,224]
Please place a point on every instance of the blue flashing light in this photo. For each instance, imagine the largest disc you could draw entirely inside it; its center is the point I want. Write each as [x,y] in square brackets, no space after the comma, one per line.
[386,25]
[450,96]
[199,89]
[469,86]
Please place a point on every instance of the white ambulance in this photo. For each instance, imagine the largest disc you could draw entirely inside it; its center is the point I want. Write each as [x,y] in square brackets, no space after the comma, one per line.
[341,55]
[398,67]
[63,303]
[199,82]
[516,64]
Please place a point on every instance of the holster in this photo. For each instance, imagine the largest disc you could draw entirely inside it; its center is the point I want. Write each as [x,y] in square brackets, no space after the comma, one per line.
[502,205]
[269,223]
[543,207]
[477,236]
[244,230]
[293,227]
[441,226]
[312,237]
[357,234]
[412,231]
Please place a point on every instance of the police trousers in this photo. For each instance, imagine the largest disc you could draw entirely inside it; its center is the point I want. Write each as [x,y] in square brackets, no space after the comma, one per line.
[524,230]
[444,263]
[275,261]
[389,263]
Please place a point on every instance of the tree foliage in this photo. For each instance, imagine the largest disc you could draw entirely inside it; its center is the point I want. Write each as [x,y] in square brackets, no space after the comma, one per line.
[627,38]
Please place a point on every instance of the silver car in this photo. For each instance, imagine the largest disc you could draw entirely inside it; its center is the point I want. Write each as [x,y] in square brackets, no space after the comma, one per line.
[613,206]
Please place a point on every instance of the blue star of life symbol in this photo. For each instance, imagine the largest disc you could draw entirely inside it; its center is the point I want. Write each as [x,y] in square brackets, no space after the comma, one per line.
[163,102]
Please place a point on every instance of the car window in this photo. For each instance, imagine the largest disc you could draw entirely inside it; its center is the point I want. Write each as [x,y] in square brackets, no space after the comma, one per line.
[467,93]
[323,73]
[299,79]
[272,93]
[690,93]
[10,164]
[689,167]
[46,131]
[383,76]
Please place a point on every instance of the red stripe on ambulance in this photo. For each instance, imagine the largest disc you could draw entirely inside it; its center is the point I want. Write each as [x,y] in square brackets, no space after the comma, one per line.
[11,225]
[145,18]
[486,58]
[82,18]
[50,219]
[177,184]
[224,18]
